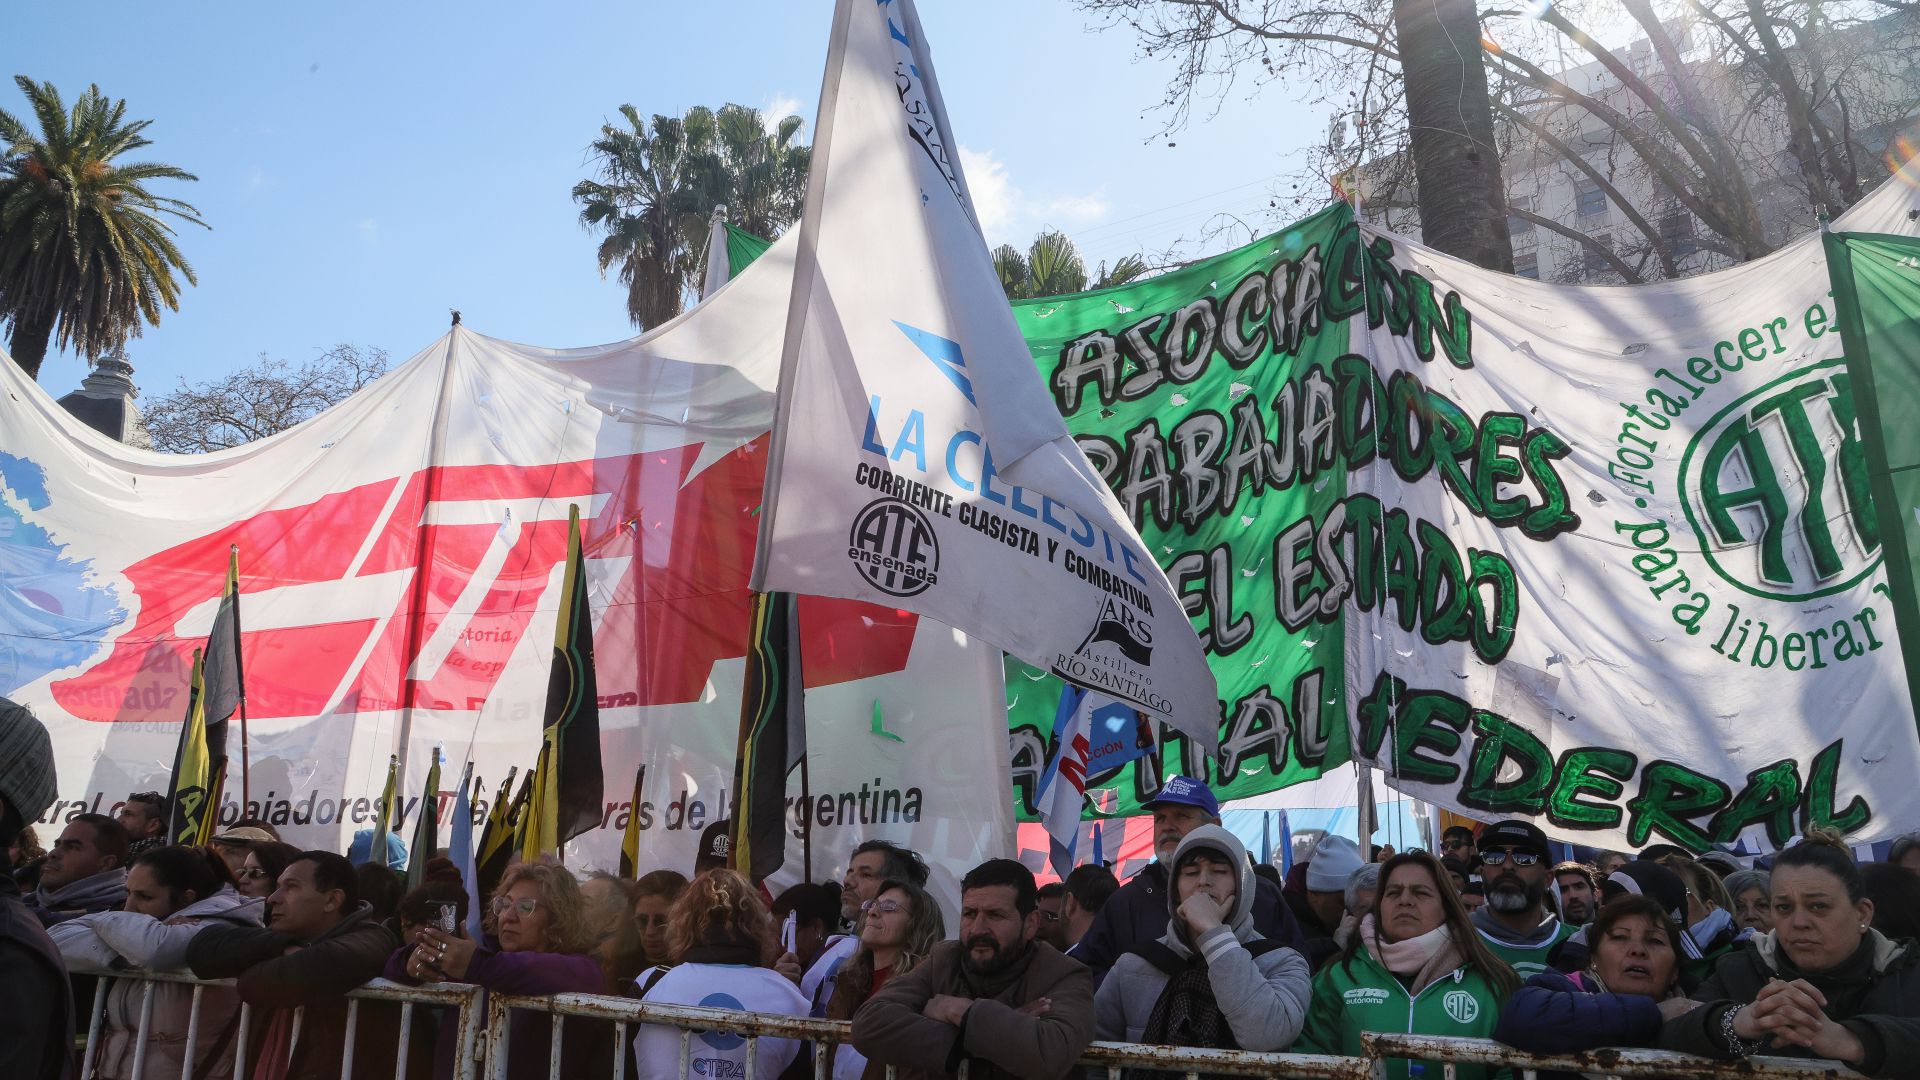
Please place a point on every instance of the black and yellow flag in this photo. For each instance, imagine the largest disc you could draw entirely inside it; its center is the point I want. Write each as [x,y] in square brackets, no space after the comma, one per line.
[496,845]
[225,691]
[773,735]
[426,827]
[630,840]
[568,785]
[192,791]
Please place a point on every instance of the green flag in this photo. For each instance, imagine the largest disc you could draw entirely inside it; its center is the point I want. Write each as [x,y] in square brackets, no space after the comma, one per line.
[383,821]
[192,793]
[1876,287]
[742,248]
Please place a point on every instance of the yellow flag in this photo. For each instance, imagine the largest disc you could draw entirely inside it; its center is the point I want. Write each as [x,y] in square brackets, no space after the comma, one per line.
[191,792]
[377,843]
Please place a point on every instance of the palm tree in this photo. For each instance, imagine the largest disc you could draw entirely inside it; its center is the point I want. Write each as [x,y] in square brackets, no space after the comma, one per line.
[1052,267]
[659,182]
[85,248]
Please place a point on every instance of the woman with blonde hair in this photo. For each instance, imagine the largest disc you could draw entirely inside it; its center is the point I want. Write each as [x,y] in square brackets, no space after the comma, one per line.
[719,935]
[897,930]
[538,942]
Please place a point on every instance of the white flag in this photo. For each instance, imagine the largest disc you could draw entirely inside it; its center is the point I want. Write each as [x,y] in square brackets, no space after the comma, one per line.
[918,460]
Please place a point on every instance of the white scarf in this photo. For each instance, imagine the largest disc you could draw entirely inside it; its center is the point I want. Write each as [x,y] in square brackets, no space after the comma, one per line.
[1424,958]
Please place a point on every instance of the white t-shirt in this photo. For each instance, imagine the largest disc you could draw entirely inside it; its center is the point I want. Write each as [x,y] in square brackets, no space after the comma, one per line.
[716,1054]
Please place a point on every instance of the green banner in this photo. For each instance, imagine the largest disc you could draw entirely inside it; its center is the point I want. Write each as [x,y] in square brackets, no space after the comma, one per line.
[1876,287]
[1173,387]
[1177,388]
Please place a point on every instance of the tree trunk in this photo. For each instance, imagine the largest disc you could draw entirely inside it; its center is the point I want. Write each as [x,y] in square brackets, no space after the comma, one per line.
[1462,194]
[28,342]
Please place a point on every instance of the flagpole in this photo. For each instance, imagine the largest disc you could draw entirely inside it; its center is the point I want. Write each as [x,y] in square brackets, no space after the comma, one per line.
[240,678]
[806,266]
[806,822]
[422,560]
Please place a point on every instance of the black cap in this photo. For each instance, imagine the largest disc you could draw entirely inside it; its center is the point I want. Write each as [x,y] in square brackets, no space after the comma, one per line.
[716,847]
[1646,878]
[1515,833]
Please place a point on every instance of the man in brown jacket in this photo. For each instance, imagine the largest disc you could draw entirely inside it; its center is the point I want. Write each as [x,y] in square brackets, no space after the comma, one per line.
[1012,1005]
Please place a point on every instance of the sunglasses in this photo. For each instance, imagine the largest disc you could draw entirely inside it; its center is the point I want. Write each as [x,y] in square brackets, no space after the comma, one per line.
[1497,856]
[525,906]
[1050,916]
[250,873]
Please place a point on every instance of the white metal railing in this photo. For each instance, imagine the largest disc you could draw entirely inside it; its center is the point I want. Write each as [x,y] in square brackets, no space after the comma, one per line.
[473,1052]
[464,1001]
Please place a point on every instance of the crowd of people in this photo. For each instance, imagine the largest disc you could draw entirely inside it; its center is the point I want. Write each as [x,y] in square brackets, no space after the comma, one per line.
[1807,953]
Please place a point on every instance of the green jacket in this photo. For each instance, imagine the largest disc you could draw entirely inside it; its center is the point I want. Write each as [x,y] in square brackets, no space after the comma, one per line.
[1360,995]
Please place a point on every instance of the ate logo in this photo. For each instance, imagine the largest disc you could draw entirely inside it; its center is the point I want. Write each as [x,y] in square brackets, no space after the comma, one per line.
[1775,487]
[337,619]
[894,547]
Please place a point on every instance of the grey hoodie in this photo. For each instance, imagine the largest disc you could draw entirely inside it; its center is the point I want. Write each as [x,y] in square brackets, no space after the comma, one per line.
[1264,998]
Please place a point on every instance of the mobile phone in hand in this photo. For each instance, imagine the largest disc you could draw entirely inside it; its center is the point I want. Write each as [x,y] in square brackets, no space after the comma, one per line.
[789,931]
[447,918]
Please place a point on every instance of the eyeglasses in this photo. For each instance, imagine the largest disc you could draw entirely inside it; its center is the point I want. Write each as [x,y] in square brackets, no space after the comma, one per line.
[525,905]
[1050,916]
[1497,856]
[883,907]
[250,873]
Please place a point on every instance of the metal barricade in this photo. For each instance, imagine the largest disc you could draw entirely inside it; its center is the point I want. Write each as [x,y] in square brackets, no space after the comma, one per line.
[463,1000]
[626,1015]
[1610,1062]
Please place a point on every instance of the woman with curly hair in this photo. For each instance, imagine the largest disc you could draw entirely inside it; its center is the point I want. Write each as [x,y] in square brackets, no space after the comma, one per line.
[897,930]
[538,942]
[719,934]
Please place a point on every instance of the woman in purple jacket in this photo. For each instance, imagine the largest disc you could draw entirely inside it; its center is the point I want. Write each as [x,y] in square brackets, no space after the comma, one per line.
[1630,985]
[538,943]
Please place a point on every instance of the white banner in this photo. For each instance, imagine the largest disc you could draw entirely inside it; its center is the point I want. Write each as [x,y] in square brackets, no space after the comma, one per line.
[918,459]
[463,461]
[1622,570]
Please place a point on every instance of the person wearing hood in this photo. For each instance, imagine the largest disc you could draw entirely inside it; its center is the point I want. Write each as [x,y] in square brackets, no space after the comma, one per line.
[85,872]
[1515,923]
[1137,913]
[324,942]
[1322,905]
[1211,980]
[173,894]
[1822,983]
[1416,966]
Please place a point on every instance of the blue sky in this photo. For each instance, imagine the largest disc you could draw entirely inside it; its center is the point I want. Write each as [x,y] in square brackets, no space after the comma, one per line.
[366,167]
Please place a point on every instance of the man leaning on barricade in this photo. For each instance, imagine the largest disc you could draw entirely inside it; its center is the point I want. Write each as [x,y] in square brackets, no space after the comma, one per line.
[996,998]
[323,943]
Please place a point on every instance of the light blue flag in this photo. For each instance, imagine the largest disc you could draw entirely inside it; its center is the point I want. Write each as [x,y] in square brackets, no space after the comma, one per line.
[460,849]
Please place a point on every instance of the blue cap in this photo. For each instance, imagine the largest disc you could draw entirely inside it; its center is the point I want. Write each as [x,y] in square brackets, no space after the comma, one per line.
[1185,791]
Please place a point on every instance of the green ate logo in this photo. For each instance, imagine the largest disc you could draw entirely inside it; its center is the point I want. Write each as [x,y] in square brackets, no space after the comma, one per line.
[1775,487]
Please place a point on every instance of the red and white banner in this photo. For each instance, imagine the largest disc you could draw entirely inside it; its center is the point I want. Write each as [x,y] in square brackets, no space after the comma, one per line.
[399,565]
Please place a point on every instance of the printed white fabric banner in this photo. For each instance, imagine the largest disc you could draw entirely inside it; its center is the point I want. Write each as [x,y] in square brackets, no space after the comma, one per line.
[918,459]
[464,461]
[1620,568]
